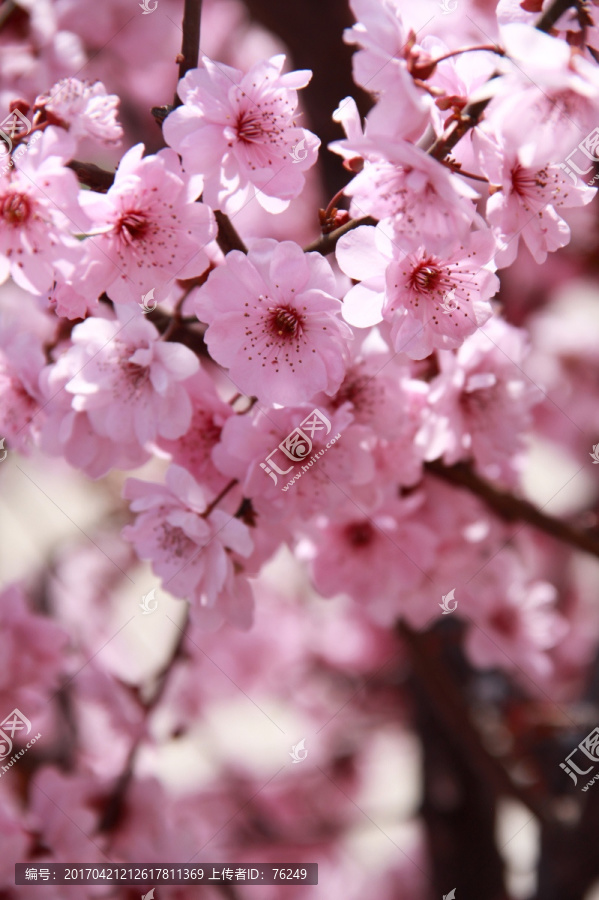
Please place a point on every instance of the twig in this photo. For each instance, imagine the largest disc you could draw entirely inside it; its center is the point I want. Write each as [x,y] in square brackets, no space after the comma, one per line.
[514,509]
[190,46]
[555,12]
[228,238]
[472,112]
[114,804]
[92,176]
[327,243]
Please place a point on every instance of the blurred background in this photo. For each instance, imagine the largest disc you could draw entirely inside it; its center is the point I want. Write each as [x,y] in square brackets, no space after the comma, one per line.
[422,774]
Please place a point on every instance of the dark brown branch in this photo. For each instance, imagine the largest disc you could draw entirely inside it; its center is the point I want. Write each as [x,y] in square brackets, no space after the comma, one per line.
[554,12]
[327,243]
[92,176]
[228,238]
[513,509]
[447,703]
[6,11]
[190,46]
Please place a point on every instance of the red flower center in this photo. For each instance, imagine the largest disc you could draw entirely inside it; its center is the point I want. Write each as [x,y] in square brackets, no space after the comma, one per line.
[359,534]
[132,226]
[250,126]
[285,321]
[15,209]
[425,276]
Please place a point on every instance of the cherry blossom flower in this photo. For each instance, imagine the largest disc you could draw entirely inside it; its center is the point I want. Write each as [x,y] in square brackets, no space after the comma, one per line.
[548,97]
[193,450]
[481,402]
[70,434]
[374,557]
[84,109]
[419,200]
[147,229]
[39,214]
[515,620]
[381,67]
[238,133]
[193,553]
[128,381]
[283,489]
[274,322]
[523,201]
[432,301]
[21,361]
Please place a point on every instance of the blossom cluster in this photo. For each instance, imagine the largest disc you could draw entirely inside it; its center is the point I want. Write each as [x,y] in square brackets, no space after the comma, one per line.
[395,335]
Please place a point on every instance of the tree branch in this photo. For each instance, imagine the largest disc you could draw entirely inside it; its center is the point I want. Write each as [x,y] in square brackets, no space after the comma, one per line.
[6,11]
[327,243]
[439,687]
[555,12]
[472,112]
[92,176]
[190,46]
[228,238]
[115,801]
[513,509]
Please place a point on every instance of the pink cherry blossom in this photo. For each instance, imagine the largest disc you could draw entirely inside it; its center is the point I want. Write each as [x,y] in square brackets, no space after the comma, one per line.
[432,301]
[128,381]
[147,230]
[39,214]
[381,67]
[374,556]
[283,489]
[85,110]
[275,323]
[21,361]
[193,450]
[71,434]
[524,200]
[515,621]
[238,133]
[419,200]
[192,552]
[481,402]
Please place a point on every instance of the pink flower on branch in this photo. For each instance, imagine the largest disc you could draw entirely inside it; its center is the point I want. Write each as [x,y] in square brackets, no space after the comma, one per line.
[431,300]
[128,381]
[117,388]
[147,230]
[524,199]
[419,200]
[237,133]
[84,109]
[40,214]
[274,323]
[195,554]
